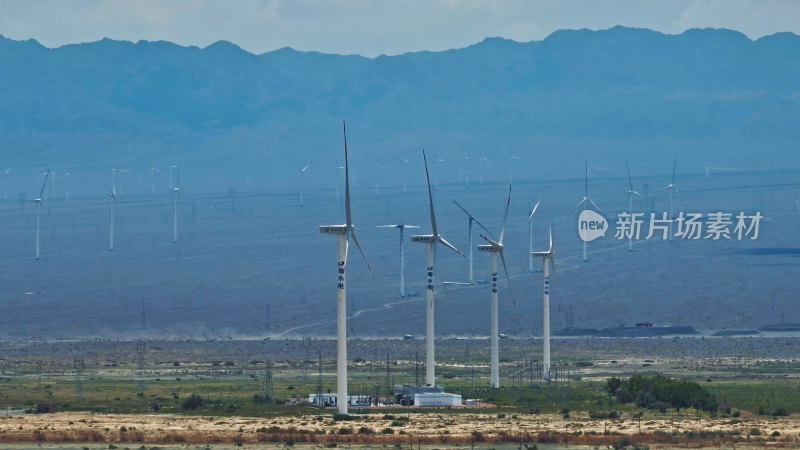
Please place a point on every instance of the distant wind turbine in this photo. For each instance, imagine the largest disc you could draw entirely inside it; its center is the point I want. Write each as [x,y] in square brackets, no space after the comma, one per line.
[495,249]
[153,172]
[631,193]
[176,190]
[5,183]
[470,219]
[586,201]
[548,260]
[343,234]
[670,189]
[38,201]
[301,171]
[405,175]
[112,209]
[530,233]
[402,262]
[430,241]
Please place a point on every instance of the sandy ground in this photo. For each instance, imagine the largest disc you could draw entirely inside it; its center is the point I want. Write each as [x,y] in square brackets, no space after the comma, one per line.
[428,428]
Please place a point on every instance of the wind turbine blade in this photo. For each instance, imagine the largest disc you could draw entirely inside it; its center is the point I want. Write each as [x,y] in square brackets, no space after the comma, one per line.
[505,216]
[582,202]
[388,226]
[593,204]
[447,244]
[550,249]
[346,180]
[534,210]
[44,183]
[508,279]
[364,255]
[430,196]
[178,177]
[473,218]
[630,181]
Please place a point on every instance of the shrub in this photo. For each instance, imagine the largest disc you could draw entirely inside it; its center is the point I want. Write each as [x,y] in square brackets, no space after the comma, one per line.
[775,433]
[345,431]
[387,431]
[192,402]
[754,432]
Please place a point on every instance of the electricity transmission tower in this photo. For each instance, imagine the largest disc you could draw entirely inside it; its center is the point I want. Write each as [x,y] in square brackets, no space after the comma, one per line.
[141,351]
[79,367]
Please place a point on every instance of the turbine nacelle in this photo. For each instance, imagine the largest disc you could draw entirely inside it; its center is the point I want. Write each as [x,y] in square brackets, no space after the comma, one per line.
[333,229]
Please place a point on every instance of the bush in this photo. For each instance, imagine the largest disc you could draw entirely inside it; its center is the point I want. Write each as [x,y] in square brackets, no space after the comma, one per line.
[780,412]
[754,432]
[775,433]
[365,430]
[192,402]
[736,413]
[345,431]
[387,431]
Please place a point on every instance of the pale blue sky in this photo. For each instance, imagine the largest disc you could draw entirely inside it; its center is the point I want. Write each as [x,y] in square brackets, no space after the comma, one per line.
[372,27]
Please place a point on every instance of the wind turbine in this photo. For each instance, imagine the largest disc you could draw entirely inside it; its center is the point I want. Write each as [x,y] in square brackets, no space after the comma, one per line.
[402,264]
[38,200]
[548,258]
[66,179]
[496,248]
[153,172]
[338,167]
[302,172]
[530,241]
[343,234]
[112,199]
[378,166]
[470,219]
[5,183]
[430,241]
[586,201]
[176,190]
[405,175]
[631,193]
[483,161]
[670,189]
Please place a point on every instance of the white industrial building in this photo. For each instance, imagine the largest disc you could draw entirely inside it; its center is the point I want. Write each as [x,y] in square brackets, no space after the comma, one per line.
[437,399]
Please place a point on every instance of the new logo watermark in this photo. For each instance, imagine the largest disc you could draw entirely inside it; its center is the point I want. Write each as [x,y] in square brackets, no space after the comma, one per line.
[591,225]
[686,226]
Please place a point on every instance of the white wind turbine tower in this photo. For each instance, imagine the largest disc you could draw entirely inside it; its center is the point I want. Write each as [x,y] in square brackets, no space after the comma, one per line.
[470,219]
[402,261]
[302,172]
[405,175]
[430,241]
[112,199]
[586,201]
[483,162]
[548,258]
[38,201]
[343,234]
[496,248]
[153,172]
[66,179]
[631,193]
[5,183]
[338,167]
[670,189]
[530,233]
[378,166]
[175,193]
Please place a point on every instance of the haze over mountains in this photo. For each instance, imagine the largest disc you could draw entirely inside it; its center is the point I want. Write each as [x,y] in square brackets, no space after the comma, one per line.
[250,261]
[709,95]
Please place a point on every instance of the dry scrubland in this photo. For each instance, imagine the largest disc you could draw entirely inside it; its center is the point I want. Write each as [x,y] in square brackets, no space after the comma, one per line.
[230,372]
[430,428]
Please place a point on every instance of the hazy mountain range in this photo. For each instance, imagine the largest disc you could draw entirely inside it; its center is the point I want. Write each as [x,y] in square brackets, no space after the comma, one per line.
[710,95]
